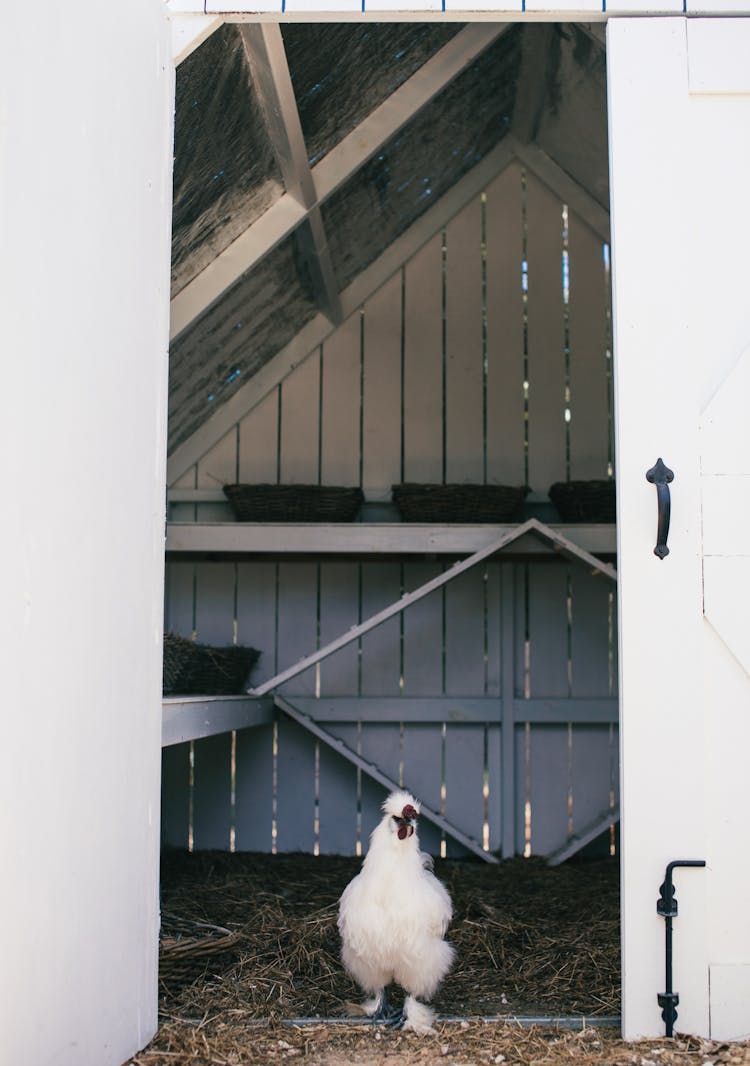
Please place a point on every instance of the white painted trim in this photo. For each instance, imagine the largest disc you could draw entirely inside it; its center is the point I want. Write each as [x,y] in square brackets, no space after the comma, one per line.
[706,38]
[657,352]
[189,32]
[455,10]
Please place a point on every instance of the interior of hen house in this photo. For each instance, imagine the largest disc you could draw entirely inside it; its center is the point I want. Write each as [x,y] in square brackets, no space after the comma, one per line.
[391,291]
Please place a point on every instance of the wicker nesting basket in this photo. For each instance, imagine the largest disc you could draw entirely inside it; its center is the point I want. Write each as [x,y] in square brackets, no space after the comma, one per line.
[459,503]
[185,946]
[294,503]
[584,501]
[192,669]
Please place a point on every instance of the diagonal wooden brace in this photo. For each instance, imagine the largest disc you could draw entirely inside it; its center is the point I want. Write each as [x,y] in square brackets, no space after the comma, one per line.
[532,525]
[376,774]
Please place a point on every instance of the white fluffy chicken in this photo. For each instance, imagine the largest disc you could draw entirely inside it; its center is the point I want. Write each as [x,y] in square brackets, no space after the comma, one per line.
[392,919]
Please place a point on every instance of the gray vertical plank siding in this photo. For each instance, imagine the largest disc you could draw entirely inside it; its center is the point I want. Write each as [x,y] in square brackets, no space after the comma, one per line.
[381,647]
[546,357]
[589,423]
[465,634]
[175,761]
[381,392]
[339,611]
[256,628]
[464,402]
[591,769]
[175,796]
[217,468]
[254,789]
[214,624]
[423,369]
[505,407]
[212,793]
[548,633]
[295,798]
[423,759]
[425,382]
[381,745]
[340,406]
[299,460]
[337,800]
[495,801]
[258,433]
[464,781]
[423,634]
[297,623]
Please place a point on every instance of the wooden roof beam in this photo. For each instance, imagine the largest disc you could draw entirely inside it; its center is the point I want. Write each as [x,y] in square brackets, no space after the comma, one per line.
[333,170]
[578,198]
[532,82]
[372,277]
[264,48]
[320,327]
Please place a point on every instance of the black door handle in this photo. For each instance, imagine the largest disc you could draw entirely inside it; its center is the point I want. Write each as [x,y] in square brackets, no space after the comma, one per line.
[660,475]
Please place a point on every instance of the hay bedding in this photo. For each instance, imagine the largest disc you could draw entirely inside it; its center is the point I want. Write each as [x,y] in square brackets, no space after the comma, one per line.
[530,940]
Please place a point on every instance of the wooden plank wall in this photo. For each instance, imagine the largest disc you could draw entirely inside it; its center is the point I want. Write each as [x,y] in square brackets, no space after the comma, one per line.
[483,359]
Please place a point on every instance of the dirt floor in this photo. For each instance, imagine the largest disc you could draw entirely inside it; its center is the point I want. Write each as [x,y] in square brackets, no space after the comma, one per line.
[530,940]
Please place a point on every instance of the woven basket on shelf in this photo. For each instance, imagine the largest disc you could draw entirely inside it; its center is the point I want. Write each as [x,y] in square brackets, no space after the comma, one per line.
[584,501]
[294,503]
[185,946]
[192,669]
[459,503]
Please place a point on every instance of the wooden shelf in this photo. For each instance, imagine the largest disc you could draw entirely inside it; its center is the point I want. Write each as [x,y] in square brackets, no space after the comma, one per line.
[194,717]
[376,538]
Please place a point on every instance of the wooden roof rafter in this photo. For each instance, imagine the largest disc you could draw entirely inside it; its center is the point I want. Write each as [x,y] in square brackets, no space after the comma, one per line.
[344,160]
[272,82]
[315,332]
[362,287]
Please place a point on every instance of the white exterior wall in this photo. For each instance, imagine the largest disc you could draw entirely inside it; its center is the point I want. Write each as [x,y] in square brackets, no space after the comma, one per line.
[86,94]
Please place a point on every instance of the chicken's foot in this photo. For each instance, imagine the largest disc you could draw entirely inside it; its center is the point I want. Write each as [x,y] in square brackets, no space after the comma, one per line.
[387,1014]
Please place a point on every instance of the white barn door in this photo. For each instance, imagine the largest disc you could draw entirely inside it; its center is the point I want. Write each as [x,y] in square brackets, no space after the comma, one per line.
[679,100]
[86,105]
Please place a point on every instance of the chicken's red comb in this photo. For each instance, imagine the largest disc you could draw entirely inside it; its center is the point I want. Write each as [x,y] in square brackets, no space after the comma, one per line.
[408,813]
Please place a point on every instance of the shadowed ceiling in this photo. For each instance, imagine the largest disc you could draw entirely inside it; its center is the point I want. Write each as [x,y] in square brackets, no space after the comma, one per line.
[303,151]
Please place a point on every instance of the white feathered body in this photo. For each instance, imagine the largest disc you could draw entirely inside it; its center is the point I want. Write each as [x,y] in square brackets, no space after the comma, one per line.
[394,913]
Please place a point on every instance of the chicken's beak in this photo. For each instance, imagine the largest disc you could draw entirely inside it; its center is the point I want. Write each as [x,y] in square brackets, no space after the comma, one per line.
[406,827]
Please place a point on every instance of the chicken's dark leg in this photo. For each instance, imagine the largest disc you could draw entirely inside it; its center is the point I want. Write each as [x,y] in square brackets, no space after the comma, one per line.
[386,1013]
[396,1020]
